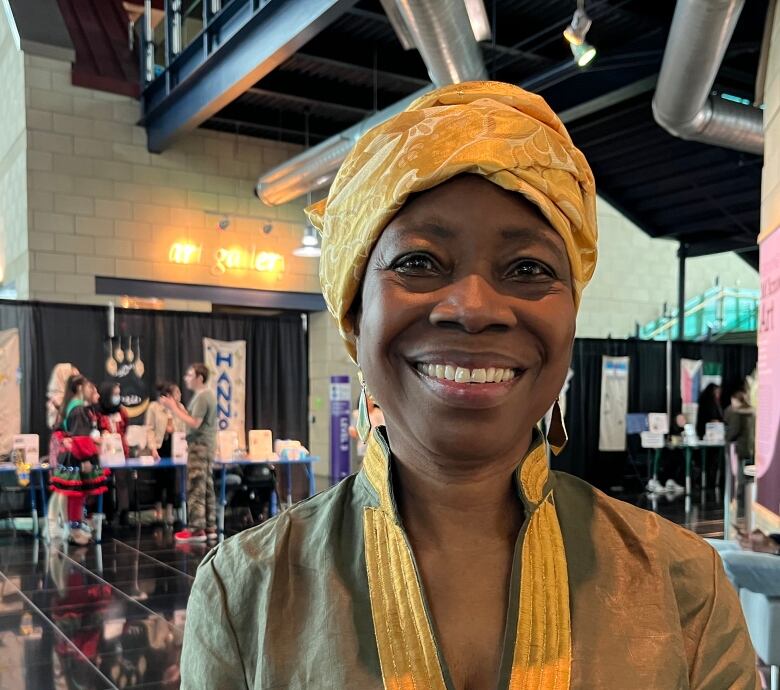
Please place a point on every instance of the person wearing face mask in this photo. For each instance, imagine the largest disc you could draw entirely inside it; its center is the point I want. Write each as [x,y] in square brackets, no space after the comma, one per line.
[112,416]
[457,239]
[113,419]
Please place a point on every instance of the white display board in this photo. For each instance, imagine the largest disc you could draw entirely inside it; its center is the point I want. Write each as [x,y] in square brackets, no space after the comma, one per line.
[30,444]
[614,403]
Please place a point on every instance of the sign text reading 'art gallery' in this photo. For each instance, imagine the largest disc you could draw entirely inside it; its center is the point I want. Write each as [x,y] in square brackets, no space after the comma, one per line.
[226,259]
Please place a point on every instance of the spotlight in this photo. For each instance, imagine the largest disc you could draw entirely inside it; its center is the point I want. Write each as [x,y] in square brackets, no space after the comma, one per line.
[308,252]
[224,223]
[268,228]
[583,54]
[580,23]
[309,243]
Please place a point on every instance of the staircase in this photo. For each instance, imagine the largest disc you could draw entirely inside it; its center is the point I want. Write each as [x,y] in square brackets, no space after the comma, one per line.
[99,31]
[720,314]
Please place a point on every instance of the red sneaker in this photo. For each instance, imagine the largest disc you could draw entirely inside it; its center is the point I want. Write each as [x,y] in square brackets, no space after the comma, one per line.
[189,535]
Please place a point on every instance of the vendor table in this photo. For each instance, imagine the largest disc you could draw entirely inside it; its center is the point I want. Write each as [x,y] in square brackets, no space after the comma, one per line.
[689,450]
[36,483]
[132,465]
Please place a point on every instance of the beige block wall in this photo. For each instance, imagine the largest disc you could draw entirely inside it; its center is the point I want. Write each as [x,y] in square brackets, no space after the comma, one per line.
[101,204]
[636,274]
[14,258]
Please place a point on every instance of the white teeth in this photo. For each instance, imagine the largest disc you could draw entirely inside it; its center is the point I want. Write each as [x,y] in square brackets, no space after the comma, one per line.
[478,376]
[464,375]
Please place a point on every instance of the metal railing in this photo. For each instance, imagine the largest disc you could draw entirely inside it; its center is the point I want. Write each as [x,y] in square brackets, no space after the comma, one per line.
[191,31]
[718,310]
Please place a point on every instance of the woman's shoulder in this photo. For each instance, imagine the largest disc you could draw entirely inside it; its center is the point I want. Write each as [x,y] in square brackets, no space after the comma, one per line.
[289,534]
[587,513]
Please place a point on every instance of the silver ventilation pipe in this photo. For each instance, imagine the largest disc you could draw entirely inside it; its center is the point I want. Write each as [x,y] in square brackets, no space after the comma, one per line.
[443,33]
[316,167]
[683,104]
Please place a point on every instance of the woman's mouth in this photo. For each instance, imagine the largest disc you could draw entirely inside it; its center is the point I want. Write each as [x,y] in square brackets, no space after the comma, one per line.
[460,374]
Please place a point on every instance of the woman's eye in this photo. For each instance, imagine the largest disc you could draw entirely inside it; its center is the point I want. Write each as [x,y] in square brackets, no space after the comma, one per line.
[529,269]
[415,264]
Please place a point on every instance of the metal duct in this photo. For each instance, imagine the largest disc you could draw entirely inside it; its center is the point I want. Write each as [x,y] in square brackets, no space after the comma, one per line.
[442,32]
[683,103]
[316,167]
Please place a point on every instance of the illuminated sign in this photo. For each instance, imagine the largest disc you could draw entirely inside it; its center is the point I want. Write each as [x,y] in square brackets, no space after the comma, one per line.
[227,259]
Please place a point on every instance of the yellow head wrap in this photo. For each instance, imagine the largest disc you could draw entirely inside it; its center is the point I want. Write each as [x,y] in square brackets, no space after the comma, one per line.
[499,131]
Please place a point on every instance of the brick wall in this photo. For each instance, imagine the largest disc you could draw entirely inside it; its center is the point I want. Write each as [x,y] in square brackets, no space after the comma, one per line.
[101,204]
[14,259]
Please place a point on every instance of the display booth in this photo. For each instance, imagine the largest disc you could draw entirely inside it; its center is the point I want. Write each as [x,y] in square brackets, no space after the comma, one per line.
[605,387]
[148,346]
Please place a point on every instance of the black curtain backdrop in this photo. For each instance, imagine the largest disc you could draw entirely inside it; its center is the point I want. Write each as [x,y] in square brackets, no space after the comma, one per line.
[276,368]
[646,393]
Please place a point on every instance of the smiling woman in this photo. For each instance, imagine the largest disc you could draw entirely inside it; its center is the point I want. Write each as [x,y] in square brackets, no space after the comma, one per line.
[457,239]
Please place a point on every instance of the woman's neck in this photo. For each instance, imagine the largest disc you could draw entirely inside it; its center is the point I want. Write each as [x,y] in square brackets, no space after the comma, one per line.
[462,506]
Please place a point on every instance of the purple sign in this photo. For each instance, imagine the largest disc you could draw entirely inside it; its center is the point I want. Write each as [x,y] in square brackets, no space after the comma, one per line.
[340,413]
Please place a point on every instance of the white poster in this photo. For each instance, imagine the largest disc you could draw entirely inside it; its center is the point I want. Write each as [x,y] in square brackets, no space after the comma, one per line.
[227,366]
[10,389]
[614,403]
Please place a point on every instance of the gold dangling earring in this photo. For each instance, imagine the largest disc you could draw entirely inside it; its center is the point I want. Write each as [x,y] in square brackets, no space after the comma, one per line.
[557,436]
[363,421]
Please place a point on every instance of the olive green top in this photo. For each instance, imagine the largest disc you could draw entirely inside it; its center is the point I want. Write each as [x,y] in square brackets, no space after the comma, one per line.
[287,604]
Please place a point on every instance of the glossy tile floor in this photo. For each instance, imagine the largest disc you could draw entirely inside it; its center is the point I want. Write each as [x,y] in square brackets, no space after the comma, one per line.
[112,615]
[95,617]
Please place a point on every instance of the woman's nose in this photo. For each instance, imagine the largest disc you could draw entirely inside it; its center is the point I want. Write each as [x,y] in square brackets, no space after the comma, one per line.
[473,304]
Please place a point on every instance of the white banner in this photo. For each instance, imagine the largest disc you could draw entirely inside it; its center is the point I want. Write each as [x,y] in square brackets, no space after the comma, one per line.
[10,389]
[614,403]
[227,366]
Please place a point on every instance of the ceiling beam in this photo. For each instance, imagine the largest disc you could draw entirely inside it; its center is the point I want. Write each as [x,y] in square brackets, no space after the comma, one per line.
[312,103]
[608,100]
[368,73]
[212,72]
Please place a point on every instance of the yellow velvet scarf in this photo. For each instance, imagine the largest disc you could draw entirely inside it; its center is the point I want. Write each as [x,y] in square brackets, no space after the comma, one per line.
[407,648]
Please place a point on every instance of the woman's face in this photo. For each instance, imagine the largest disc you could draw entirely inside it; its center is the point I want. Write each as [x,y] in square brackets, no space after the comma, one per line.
[176,393]
[469,277]
[93,397]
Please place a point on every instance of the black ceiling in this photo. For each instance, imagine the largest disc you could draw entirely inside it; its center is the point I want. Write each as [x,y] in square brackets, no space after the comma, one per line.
[703,196]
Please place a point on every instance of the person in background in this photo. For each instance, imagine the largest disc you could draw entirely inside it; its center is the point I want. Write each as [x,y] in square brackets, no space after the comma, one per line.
[740,419]
[201,421]
[710,409]
[57,512]
[78,474]
[55,393]
[112,416]
[113,419]
[162,424]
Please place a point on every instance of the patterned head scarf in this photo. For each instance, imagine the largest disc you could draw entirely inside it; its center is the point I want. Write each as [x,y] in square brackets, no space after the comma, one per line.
[499,131]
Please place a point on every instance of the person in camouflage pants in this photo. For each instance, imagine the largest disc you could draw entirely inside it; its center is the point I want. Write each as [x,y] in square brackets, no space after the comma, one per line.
[201,420]
[201,508]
